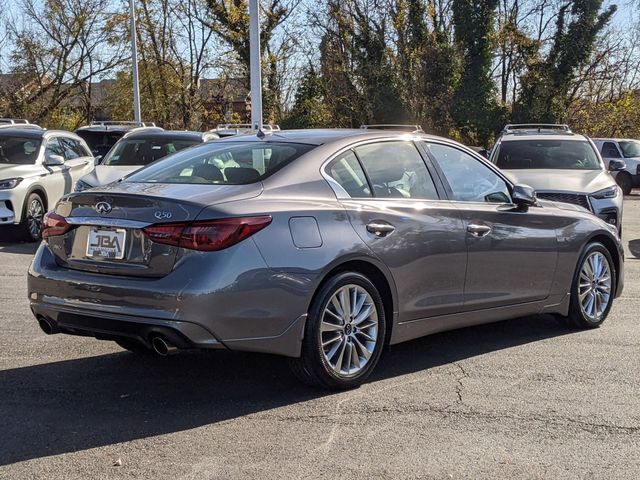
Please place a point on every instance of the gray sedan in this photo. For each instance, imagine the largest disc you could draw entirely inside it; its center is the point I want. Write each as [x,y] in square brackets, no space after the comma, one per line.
[320,245]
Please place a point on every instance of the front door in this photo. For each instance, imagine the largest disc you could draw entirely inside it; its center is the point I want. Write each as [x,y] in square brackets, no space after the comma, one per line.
[511,254]
[394,206]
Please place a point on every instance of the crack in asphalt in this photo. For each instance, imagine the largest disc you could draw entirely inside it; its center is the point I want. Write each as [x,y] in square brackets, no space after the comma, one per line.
[350,418]
[460,386]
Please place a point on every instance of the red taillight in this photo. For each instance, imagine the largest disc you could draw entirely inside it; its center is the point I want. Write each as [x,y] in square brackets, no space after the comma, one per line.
[207,235]
[54,225]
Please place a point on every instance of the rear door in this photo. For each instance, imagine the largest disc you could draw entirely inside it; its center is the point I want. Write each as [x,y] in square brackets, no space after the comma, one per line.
[511,253]
[395,207]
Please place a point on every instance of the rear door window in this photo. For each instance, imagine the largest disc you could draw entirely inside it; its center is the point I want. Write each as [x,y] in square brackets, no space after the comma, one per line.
[348,173]
[396,170]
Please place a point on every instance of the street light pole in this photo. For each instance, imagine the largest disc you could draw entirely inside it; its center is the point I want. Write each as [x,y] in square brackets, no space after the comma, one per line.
[254,65]
[134,61]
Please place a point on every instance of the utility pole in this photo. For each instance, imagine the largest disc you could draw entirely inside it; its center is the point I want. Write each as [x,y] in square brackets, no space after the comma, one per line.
[134,62]
[254,65]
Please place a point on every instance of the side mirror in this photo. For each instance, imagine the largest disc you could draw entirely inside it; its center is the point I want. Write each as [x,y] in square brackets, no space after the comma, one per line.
[524,196]
[615,165]
[97,159]
[54,160]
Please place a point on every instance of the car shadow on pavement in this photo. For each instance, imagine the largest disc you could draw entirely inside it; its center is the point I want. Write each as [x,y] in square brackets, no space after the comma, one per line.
[19,248]
[74,405]
[634,247]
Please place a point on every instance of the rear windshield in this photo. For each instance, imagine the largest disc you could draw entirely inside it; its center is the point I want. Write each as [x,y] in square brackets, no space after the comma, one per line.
[144,151]
[547,154]
[630,149]
[226,163]
[100,142]
[19,150]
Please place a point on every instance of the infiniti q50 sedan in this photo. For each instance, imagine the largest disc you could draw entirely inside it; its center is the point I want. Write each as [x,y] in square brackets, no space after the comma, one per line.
[319,245]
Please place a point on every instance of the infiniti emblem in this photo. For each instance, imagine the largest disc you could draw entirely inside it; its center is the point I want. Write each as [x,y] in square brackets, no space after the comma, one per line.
[103,207]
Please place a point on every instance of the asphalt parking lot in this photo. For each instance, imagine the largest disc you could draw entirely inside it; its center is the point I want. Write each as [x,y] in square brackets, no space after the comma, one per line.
[525,398]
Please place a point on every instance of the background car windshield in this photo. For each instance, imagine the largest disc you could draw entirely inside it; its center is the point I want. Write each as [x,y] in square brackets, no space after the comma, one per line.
[230,163]
[630,149]
[143,152]
[17,150]
[547,154]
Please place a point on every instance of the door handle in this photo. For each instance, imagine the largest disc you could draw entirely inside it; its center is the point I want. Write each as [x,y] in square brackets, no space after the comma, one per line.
[478,230]
[380,229]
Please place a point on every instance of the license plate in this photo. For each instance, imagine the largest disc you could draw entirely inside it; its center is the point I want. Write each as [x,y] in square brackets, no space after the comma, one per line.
[106,243]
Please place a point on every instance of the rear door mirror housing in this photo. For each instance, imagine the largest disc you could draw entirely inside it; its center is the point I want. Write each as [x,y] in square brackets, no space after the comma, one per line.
[615,165]
[54,160]
[524,196]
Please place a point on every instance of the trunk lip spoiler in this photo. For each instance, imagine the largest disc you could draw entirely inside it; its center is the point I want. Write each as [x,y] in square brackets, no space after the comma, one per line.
[107,222]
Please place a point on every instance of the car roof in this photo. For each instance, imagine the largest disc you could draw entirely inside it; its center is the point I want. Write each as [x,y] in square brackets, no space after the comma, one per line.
[615,140]
[153,134]
[23,132]
[326,136]
[542,136]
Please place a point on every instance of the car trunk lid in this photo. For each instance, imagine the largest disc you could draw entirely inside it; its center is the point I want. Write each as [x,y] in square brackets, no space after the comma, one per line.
[107,236]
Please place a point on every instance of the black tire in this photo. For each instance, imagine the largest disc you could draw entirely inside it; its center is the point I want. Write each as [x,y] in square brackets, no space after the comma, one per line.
[624,180]
[313,367]
[577,317]
[134,346]
[33,211]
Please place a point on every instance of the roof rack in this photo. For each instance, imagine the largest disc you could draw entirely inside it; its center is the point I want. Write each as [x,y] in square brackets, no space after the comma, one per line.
[14,121]
[512,128]
[391,126]
[124,123]
[243,128]
[24,126]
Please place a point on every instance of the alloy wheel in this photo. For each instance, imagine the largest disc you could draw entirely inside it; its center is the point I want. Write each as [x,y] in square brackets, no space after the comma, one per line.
[594,288]
[349,330]
[35,213]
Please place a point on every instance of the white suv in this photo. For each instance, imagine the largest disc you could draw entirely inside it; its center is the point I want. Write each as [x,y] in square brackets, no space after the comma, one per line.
[37,167]
[627,150]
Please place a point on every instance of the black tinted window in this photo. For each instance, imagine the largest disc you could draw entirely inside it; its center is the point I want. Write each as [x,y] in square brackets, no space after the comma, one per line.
[546,154]
[230,163]
[18,150]
[53,148]
[609,150]
[396,170]
[470,180]
[346,170]
[144,151]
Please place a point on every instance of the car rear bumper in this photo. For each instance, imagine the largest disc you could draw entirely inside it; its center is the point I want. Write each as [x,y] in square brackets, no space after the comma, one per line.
[233,301]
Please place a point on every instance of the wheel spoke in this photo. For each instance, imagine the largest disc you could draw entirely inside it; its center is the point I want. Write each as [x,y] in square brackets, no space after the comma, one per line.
[334,339]
[365,352]
[330,327]
[363,315]
[345,303]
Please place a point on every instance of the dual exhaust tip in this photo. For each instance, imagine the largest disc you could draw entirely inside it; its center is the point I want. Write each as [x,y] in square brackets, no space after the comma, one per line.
[158,344]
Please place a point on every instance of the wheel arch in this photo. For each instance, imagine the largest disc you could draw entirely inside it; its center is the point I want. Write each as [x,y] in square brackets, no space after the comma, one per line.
[379,276]
[35,188]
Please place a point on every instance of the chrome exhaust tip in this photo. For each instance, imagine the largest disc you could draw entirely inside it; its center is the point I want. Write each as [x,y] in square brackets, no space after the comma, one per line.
[46,326]
[162,347]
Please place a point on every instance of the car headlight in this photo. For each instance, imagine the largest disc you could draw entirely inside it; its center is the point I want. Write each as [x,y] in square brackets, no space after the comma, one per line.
[9,183]
[609,192]
[81,186]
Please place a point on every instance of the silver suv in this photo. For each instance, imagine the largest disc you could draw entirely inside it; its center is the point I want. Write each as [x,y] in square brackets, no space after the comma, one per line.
[37,167]
[622,149]
[561,166]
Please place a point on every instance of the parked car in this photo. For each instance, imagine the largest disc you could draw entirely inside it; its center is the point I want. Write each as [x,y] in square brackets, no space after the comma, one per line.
[321,245]
[629,151]
[561,166]
[37,167]
[137,149]
[102,135]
